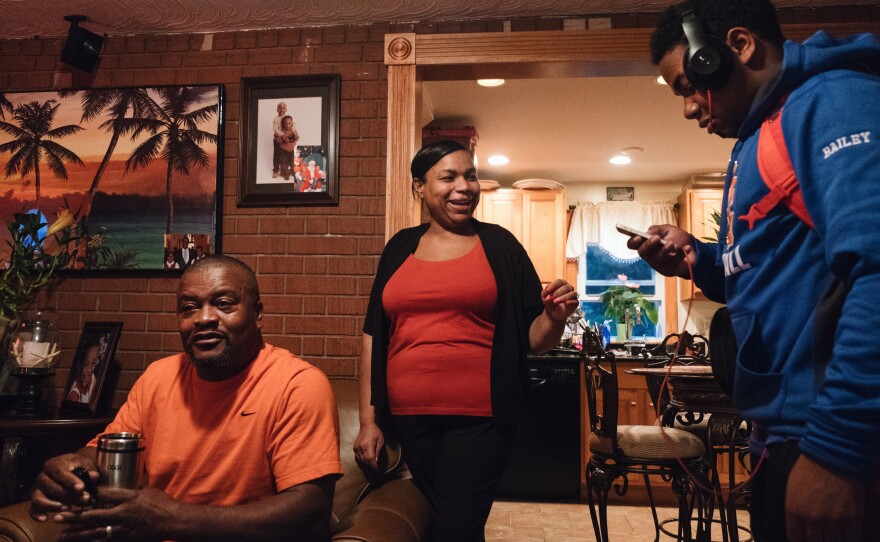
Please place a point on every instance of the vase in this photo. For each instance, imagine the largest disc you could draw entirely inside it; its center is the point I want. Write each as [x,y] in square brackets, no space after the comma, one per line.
[621,333]
[33,350]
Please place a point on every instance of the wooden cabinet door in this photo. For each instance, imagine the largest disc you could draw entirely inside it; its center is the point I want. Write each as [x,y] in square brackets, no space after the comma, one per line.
[536,218]
[504,207]
[696,206]
[544,232]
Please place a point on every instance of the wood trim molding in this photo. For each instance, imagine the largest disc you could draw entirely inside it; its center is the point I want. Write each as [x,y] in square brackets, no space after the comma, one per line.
[400,49]
[402,136]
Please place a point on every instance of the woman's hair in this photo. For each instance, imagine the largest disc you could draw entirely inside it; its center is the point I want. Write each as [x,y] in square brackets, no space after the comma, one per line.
[717,18]
[429,155]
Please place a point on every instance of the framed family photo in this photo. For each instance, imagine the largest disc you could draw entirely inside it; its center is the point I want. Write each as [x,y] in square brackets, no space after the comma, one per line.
[136,168]
[97,346]
[289,141]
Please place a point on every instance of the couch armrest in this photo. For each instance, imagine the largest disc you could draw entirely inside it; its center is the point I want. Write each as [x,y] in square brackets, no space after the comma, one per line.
[397,507]
[16,525]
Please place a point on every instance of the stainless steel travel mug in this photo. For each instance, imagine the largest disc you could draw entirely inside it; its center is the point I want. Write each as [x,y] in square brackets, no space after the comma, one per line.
[120,459]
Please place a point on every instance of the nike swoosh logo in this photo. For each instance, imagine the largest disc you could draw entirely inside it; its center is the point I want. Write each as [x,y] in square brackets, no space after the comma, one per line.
[243,413]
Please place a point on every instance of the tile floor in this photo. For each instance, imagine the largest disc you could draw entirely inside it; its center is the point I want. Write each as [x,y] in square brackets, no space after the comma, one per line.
[570,522]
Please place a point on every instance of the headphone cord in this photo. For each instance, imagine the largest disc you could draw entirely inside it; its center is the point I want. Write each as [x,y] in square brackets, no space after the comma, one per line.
[664,387]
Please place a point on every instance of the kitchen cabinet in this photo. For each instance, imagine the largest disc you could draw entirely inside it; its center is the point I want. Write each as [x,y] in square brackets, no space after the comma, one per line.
[536,218]
[695,207]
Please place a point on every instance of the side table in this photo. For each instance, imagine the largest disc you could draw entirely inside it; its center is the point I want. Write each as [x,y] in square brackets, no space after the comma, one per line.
[26,443]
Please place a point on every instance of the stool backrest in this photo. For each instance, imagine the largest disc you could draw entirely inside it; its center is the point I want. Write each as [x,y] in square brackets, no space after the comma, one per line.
[600,374]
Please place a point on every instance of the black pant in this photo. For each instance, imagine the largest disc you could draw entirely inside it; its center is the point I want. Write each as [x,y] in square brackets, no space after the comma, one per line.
[276,156]
[457,462]
[767,507]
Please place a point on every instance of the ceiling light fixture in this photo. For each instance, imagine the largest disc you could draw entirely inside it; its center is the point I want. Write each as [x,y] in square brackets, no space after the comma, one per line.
[624,157]
[660,80]
[490,82]
[498,160]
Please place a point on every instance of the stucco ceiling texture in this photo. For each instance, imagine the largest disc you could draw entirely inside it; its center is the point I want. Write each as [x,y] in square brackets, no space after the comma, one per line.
[45,18]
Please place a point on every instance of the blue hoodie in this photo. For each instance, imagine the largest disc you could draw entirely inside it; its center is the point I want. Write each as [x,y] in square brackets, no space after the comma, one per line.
[772,276]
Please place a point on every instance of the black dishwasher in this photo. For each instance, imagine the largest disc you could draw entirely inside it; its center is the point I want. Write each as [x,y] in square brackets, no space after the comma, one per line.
[545,460]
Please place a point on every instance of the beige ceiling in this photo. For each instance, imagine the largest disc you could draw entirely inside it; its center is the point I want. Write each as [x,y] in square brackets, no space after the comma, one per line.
[29,18]
[566,129]
[563,129]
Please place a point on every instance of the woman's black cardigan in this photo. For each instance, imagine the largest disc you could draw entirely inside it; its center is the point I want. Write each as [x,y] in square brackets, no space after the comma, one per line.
[519,303]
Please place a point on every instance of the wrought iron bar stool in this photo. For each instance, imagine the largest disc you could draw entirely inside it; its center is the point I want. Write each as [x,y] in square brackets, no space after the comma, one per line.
[617,451]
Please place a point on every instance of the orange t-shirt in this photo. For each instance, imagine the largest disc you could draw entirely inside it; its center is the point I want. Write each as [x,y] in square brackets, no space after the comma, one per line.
[442,325]
[269,428]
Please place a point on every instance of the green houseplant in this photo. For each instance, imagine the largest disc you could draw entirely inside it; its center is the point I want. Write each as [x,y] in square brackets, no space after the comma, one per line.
[618,298]
[36,252]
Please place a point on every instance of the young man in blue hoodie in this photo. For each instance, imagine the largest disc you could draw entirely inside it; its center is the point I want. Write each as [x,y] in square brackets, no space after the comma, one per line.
[817,427]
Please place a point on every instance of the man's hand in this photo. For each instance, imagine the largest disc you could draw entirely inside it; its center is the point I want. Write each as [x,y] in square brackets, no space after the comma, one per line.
[666,250]
[56,488]
[821,505]
[368,445]
[132,515]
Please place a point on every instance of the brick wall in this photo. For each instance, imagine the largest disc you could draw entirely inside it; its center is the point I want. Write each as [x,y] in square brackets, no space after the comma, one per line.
[314,264]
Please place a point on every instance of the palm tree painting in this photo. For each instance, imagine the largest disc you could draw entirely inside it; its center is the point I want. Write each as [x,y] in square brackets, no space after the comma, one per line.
[136,166]
[175,136]
[5,105]
[34,139]
[116,102]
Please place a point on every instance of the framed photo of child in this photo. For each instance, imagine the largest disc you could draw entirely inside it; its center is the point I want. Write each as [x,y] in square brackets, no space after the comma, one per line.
[289,141]
[97,346]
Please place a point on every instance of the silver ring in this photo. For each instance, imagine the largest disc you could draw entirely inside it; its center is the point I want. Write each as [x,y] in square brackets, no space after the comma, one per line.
[109,530]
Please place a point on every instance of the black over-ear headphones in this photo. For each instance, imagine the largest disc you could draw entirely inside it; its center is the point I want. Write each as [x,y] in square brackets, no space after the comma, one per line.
[707,61]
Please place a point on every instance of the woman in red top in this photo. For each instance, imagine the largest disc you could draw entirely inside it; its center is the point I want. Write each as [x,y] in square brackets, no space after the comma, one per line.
[455,308]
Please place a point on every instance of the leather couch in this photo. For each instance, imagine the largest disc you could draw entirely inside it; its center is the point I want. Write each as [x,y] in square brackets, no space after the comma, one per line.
[368,507]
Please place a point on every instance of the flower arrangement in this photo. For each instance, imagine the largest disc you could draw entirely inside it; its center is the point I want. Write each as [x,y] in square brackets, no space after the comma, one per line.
[627,295]
[36,251]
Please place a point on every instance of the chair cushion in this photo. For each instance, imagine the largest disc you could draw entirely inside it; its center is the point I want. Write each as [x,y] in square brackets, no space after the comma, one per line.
[650,442]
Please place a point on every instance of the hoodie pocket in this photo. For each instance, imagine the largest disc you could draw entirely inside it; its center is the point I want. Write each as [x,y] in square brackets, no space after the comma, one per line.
[758,392]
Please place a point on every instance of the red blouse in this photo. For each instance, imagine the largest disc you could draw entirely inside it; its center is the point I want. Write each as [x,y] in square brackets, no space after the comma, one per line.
[442,324]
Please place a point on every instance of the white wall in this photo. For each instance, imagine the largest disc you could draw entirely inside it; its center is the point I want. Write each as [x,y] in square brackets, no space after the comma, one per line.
[643,191]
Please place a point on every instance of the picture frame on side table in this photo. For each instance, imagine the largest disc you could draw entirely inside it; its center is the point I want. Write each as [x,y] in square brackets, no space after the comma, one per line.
[289,141]
[94,354]
[137,169]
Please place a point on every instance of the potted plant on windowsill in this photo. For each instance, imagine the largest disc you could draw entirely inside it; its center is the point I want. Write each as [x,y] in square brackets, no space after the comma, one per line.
[619,298]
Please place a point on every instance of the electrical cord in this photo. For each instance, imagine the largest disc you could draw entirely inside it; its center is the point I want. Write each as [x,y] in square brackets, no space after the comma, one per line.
[664,387]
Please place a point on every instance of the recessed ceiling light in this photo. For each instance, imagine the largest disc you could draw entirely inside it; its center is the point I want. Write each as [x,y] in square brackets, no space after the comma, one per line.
[490,82]
[624,157]
[660,80]
[498,160]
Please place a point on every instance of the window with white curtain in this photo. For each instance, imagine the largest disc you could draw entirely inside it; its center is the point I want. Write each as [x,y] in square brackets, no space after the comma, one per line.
[603,257]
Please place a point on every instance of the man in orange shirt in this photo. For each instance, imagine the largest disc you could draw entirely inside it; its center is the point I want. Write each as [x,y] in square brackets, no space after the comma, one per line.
[242,438]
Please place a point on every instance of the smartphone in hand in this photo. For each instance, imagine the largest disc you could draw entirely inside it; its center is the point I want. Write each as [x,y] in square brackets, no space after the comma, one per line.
[626,230]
